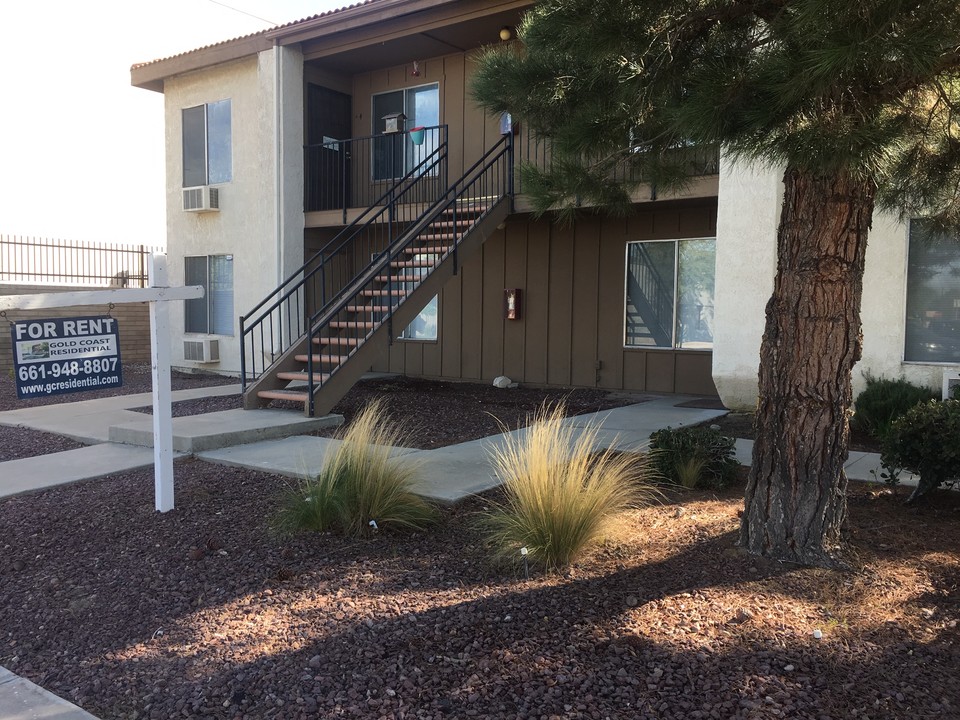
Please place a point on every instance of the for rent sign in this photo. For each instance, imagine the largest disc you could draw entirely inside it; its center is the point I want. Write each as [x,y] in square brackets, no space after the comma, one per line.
[65,355]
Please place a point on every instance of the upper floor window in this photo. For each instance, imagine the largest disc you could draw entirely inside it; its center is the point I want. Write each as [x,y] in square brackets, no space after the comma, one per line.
[669,293]
[933,297]
[207,158]
[396,155]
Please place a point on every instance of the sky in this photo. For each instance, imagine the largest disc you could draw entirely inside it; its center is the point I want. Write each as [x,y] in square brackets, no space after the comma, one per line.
[81,150]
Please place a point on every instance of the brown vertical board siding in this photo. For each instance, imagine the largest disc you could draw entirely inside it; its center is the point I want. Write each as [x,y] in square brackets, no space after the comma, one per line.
[634,370]
[610,309]
[561,305]
[491,364]
[585,287]
[536,302]
[474,123]
[453,110]
[515,276]
[666,224]
[695,373]
[661,371]
[412,355]
[696,222]
[451,336]
[471,313]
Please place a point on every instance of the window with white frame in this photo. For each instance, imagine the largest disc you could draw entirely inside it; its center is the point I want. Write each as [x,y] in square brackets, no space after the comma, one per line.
[213,313]
[207,158]
[424,326]
[669,293]
[395,155]
[933,296]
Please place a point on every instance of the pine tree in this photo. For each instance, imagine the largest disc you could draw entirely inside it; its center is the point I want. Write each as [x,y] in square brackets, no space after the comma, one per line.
[856,99]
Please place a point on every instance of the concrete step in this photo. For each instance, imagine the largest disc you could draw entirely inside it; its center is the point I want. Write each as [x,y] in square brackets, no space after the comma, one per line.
[225,428]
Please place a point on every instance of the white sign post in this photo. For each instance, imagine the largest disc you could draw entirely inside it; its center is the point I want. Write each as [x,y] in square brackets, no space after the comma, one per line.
[158,295]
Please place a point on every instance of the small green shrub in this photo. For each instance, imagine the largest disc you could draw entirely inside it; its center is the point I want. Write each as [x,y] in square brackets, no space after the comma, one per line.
[360,486]
[561,496]
[695,457]
[883,401]
[926,441]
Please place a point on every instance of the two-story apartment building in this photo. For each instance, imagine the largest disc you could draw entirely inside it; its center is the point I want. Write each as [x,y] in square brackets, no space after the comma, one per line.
[332,182]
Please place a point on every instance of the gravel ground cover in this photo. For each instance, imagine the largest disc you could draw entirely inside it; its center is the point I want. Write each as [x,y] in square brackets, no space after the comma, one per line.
[203,612]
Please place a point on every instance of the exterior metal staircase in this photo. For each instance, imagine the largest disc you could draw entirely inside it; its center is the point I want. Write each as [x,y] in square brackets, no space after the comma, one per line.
[315,335]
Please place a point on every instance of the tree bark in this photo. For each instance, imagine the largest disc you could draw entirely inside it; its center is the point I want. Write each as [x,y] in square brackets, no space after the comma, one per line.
[795,501]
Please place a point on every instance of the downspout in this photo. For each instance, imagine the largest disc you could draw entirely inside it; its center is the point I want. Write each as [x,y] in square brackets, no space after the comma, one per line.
[278,160]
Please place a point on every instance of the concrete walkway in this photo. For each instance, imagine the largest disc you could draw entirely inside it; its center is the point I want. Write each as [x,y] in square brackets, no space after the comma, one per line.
[20,699]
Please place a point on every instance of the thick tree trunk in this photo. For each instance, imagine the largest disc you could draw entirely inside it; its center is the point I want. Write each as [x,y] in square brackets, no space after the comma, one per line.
[796,496]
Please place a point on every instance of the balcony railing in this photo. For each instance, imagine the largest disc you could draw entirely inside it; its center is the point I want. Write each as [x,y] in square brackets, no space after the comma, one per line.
[354,173]
[536,152]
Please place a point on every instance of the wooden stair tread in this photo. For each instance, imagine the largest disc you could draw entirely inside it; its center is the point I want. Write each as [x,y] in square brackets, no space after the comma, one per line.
[401,278]
[347,324]
[335,359]
[337,341]
[283,395]
[302,375]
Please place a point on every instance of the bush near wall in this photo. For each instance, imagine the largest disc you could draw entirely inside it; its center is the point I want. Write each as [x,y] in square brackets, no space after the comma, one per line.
[133,320]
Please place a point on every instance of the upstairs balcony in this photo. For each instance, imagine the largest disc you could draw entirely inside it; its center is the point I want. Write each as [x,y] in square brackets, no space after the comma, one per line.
[342,178]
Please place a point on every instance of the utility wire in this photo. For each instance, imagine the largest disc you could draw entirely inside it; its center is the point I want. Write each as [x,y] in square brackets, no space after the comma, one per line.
[242,12]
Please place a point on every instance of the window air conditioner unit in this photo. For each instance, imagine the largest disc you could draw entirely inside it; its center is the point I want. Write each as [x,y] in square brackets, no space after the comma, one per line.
[951,379]
[201,199]
[204,350]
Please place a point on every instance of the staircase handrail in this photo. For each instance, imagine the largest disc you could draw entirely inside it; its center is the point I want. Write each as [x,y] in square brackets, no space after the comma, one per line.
[423,171]
[434,158]
[321,319]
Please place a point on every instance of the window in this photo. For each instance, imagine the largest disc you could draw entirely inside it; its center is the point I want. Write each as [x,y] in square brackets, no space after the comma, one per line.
[424,326]
[206,144]
[395,155]
[669,294]
[213,313]
[933,297]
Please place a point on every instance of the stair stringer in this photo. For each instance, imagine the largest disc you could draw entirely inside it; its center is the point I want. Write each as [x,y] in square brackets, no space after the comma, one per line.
[378,341]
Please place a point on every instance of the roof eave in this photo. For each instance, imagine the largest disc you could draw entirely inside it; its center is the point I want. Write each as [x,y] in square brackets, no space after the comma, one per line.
[150,76]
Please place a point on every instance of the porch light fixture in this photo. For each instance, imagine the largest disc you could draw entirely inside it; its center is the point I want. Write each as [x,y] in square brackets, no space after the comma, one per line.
[506,33]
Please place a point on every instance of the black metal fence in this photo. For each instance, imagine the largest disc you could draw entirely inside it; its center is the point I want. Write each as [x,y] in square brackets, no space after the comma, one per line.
[32,261]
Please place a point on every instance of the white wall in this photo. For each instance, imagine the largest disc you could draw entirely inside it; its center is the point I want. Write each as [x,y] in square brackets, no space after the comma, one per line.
[748,211]
[747,216]
[264,248]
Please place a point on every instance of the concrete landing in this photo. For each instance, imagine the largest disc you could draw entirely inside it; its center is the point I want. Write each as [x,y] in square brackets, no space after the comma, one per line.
[291,457]
[20,699]
[197,433]
[89,421]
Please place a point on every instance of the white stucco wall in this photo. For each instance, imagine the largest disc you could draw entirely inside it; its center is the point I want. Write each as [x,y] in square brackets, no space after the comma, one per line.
[263,234]
[748,212]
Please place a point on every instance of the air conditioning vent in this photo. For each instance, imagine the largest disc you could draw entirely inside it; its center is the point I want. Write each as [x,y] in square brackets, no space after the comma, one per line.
[951,380]
[204,350]
[201,199]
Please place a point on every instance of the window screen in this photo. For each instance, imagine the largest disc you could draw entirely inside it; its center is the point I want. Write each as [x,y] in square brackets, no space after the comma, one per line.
[933,297]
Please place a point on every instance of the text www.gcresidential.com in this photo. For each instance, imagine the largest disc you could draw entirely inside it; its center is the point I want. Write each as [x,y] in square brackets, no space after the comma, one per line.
[44,388]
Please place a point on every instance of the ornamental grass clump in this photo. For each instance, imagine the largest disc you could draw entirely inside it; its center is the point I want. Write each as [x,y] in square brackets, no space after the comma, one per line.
[561,496]
[360,487]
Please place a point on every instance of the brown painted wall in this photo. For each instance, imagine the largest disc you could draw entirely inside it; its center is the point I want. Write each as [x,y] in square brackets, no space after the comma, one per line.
[573,309]
[472,132]
[133,320]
